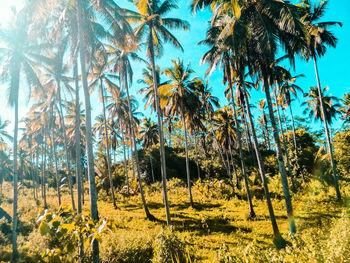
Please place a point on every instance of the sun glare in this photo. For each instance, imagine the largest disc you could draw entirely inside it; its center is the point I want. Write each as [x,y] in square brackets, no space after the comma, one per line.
[6,10]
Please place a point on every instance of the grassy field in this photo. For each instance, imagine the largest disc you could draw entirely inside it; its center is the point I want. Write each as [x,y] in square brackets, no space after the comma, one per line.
[217,230]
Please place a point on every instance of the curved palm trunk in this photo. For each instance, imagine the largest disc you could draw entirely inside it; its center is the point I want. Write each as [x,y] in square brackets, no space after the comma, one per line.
[280,161]
[276,232]
[221,154]
[244,172]
[107,146]
[187,159]
[125,165]
[329,141]
[133,142]
[89,149]
[15,82]
[160,130]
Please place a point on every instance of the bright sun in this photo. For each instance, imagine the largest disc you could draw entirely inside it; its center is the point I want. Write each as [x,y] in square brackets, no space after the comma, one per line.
[6,9]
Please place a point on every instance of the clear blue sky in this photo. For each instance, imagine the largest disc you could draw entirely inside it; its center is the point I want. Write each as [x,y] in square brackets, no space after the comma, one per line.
[334,67]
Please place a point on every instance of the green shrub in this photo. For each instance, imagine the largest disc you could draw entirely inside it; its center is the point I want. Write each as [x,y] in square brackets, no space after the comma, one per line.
[126,249]
[168,248]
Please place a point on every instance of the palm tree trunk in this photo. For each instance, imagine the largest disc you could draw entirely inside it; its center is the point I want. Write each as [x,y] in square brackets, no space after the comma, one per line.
[187,159]
[329,141]
[133,142]
[65,140]
[43,177]
[197,154]
[239,140]
[125,164]
[281,166]
[233,164]
[15,83]
[152,171]
[89,149]
[107,146]
[221,154]
[286,150]
[160,129]
[77,139]
[78,174]
[56,169]
[276,232]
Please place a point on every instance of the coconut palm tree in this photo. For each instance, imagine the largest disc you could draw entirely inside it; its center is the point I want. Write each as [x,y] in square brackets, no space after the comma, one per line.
[17,57]
[149,136]
[121,53]
[318,38]
[154,27]
[313,105]
[345,109]
[102,80]
[178,98]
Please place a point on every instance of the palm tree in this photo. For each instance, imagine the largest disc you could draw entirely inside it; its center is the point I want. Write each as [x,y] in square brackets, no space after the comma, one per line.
[178,98]
[345,110]
[153,26]
[263,122]
[100,78]
[17,57]
[121,54]
[318,38]
[149,136]
[313,105]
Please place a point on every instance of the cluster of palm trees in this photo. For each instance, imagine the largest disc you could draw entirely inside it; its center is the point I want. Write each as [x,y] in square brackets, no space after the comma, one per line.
[93,45]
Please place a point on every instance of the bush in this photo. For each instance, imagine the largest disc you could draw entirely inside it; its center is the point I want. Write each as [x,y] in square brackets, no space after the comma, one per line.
[126,249]
[168,248]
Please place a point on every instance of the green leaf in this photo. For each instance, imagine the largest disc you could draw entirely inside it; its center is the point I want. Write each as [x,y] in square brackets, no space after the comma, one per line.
[44,228]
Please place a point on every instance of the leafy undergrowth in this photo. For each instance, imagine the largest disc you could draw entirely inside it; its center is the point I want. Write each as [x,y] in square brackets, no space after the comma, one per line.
[218,229]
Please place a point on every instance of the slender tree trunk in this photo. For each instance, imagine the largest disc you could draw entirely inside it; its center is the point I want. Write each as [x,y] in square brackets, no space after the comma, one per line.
[281,166]
[134,146]
[286,150]
[197,154]
[58,179]
[89,148]
[276,232]
[160,129]
[152,171]
[241,155]
[187,159]
[43,177]
[329,141]
[229,171]
[65,140]
[233,164]
[221,154]
[78,169]
[125,164]
[107,146]
[15,82]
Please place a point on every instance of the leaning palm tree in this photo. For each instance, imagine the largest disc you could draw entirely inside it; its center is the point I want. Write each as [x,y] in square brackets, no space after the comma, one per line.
[154,28]
[17,57]
[179,99]
[318,38]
